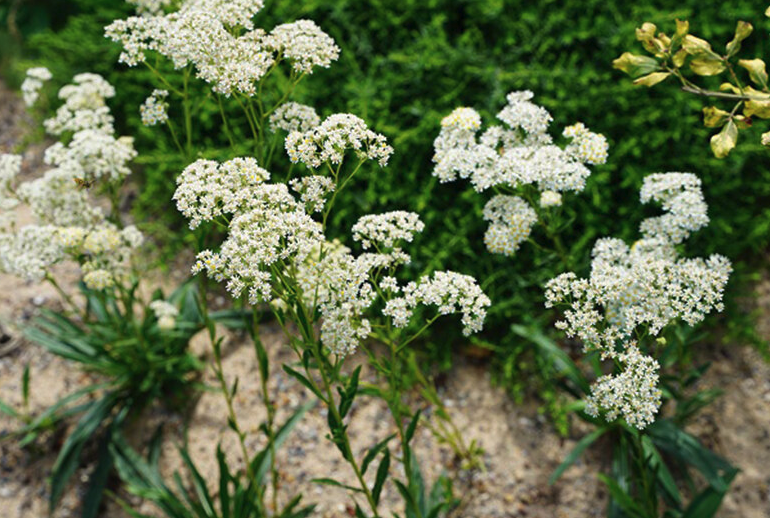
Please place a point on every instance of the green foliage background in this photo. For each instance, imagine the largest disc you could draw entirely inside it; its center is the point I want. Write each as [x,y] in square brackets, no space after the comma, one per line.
[406,64]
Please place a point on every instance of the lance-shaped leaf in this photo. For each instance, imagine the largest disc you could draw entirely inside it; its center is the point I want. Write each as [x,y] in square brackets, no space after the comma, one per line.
[757,71]
[652,79]
[742,31]
[634,65]
[724,141]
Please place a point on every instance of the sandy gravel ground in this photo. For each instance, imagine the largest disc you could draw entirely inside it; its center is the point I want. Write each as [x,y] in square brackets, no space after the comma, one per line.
[521,448]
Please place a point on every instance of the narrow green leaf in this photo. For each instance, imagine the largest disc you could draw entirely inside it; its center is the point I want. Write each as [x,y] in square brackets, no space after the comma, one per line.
[707,503]
[332,482]
[412,427]
[374,451]
[576,452]
[622,498]
[382,475]
[302,379]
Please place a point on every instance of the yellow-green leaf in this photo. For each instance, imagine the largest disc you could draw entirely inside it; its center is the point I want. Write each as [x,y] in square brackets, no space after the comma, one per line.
[634,65]
[706,65]
[679,58]
[759,109]
[652,79]
[767,12]
[742,31]
[713,117]
[729,87]
[646,31]
[757,72]
[695,46]
[646,34]
[724,141]
[682,27]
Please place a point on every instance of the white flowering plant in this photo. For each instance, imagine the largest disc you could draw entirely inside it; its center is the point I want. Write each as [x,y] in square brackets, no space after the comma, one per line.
[632,296]
[265,235]
[134,351]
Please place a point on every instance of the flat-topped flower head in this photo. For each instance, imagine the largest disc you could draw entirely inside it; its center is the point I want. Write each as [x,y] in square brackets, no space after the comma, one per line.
[521,112]
[293,116]
[304,45]
[517,154]
[511,221]
[30,252]
[206,189]
[586,146]
[269,232]
[449,292]
[336,135]
[633,394]
[218,38]
[94,155]
[33,82]
[313,191]
[84,106]
[55,199]
[154,109]
[462,118]
[681,197]
[385,231]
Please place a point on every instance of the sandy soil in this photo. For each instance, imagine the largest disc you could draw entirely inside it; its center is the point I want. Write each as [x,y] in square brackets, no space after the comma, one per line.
[521,448]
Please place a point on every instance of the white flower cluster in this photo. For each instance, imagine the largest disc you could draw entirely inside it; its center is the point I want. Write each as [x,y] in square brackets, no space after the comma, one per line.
[84,106]
[206,189]
[304,44]
[293,116]
[633,394]
[68,225]
[93,155]
[271,231]
[511,221]
[275,251]
[150,7]
[165,312]
[338,284]
[30,252]
[517,154]
[681,197]
[219,39]
[55,199]
[313,190]
[647,285]
[386,230]
[30,87]
[10,167]
[105,249]
[337,134]
[450,292]
[154,110]
[550,199]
